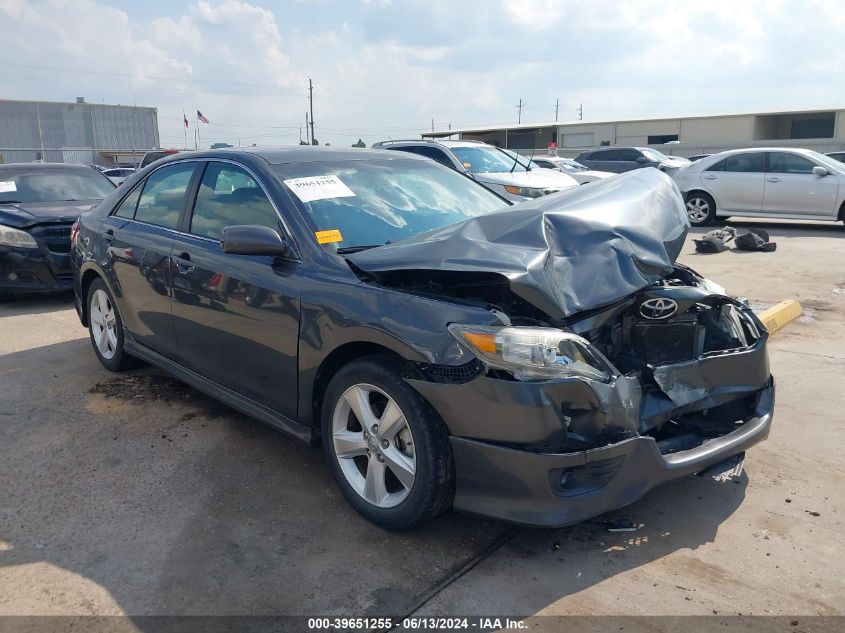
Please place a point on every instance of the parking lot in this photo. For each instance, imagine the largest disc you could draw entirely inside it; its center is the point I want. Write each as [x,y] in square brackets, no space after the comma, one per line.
[134,494]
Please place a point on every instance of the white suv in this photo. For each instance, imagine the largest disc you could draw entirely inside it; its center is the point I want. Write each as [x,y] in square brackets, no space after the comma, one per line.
[766,182]
[503,172]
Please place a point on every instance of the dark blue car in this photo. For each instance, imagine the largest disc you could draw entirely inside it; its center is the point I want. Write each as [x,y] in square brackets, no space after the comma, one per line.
[39,202]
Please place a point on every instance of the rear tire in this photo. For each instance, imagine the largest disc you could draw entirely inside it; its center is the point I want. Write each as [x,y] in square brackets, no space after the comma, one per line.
[105,327]
[395,466]
[701,208]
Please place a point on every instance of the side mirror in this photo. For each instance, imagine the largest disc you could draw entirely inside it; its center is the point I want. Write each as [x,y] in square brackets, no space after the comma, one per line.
[255,240]
[818,170]
[642,159]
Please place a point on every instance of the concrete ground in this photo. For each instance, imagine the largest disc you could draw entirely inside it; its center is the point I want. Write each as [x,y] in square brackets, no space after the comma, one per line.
[134,494]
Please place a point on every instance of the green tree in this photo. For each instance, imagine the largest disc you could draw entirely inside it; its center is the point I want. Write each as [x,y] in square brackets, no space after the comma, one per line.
[360,143]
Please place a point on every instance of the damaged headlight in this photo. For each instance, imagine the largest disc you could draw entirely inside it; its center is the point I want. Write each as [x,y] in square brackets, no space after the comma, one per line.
[17,238]
[534,352]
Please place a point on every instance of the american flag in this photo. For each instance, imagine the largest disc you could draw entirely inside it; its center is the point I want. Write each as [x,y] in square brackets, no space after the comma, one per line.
[185,119]
[201,118]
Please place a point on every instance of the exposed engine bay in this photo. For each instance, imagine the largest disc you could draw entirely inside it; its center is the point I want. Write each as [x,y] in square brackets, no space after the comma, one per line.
[608,335]
[666,342]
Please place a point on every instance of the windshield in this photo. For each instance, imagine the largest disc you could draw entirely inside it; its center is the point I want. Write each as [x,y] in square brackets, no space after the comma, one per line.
[23,184]
[355,204]
[827,161]
[488,160]
[653,154]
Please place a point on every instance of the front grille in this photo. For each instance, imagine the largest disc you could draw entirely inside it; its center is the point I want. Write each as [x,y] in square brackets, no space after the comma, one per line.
[56,237]
[667,342]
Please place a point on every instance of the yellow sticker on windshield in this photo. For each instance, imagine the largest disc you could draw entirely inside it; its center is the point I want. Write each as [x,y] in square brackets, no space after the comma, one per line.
[328,237]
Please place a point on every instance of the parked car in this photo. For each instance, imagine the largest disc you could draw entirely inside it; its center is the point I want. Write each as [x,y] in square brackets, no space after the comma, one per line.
[840,156]
[154,155]
[449,349]
[39,202]
[581,173]
[621,159]
[118,175]
[501,171]
[773,182]
[696,157]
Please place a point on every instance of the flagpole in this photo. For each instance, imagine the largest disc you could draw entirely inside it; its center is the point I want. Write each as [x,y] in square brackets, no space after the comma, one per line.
[199,140]
[185,128]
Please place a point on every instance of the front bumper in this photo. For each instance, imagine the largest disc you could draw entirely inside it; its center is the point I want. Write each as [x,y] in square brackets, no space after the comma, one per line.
[525,487]
[34,270]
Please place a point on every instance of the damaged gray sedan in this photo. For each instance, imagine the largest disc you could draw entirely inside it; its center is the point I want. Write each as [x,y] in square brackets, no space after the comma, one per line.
[540,363]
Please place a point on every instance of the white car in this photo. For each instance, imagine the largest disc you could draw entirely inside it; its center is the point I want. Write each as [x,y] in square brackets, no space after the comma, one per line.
[118,174]
[579,172]
[764,182]
[502,171]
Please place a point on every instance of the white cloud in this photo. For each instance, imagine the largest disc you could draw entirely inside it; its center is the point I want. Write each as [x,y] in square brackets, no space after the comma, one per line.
[386,69]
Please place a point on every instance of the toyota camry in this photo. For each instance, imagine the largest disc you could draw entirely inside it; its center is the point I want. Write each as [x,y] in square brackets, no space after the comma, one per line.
[541,363]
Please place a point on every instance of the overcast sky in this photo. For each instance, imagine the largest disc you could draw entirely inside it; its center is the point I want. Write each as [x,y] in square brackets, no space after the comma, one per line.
[387,68]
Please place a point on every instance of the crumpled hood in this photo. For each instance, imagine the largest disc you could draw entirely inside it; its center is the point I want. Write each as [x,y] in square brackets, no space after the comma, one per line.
[537,178]
[563,253]
[25,214]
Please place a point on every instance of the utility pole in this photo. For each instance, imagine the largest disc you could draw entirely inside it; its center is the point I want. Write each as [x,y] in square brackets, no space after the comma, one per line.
[300,135]
[557,105]
[307,137]
[432,125]
[311,103]
[519,112]
[580,111]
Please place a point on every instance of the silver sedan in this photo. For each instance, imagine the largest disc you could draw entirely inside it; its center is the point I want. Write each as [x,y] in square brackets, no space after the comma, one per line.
[788,183]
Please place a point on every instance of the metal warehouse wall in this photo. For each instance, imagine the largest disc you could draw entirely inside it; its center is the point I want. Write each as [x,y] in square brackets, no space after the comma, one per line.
[73,132]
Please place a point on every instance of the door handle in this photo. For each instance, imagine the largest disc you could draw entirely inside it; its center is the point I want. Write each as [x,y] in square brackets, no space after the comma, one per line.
[109,235]
[710,177]
[183,263]
[773,179]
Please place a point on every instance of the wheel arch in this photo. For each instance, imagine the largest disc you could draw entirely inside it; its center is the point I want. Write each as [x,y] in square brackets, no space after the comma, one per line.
[841,215]
[333,363]
[87,277]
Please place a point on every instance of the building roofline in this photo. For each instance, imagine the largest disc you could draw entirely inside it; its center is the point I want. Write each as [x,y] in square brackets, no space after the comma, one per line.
[84,103]
[530,126]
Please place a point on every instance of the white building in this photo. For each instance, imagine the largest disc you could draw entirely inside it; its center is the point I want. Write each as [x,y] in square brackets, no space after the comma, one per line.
[822,130]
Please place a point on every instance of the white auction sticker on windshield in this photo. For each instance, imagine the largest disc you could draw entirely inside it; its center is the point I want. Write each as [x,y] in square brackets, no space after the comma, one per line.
[7,185]
[319,188]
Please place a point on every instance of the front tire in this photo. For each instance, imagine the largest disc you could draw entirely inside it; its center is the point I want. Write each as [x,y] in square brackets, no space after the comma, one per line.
[701,208]
[105,327]
[386,447]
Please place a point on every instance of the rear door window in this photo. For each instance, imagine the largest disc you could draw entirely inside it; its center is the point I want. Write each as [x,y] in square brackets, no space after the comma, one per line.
[164,195]
[229,196]
[126,209]
[740,163]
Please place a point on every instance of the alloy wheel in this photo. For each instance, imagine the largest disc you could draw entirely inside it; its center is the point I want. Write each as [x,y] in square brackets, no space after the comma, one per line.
[103,324]
[374,446]
[698,209]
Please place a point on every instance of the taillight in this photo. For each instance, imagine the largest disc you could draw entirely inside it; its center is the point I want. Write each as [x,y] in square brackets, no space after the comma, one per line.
[74,232]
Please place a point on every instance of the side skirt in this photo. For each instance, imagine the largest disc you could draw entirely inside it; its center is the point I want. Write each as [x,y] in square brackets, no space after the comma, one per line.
[223,394]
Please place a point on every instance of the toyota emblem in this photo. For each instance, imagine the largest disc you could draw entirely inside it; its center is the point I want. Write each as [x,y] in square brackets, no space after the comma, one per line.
[658,308]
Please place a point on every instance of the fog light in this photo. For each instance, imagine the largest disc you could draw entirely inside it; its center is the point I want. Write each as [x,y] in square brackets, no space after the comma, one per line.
[13,277]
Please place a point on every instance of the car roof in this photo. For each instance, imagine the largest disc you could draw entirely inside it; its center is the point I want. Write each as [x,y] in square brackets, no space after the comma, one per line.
[423,142]
[45,166]
[294,154]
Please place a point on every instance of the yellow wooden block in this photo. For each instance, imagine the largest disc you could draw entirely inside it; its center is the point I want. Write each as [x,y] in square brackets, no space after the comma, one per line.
[779,315]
